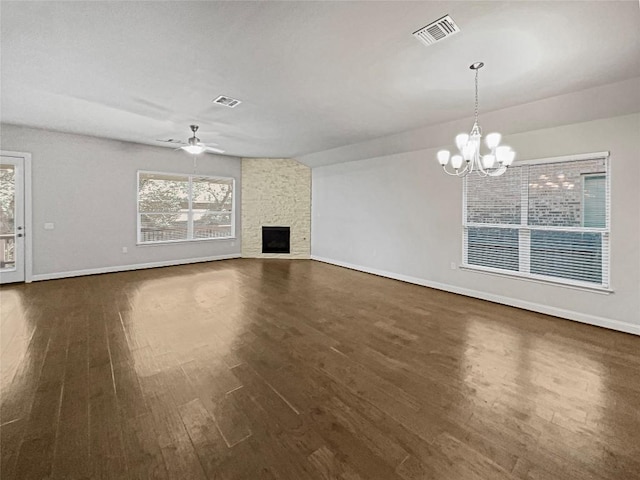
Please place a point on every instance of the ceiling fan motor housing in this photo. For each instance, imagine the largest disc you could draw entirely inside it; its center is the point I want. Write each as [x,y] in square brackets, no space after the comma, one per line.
[194,140]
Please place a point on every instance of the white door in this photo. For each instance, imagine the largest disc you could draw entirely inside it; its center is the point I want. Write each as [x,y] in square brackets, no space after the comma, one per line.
[12,225]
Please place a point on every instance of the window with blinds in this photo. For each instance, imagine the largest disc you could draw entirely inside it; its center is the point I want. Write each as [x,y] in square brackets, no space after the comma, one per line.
[544,219]
[177,207]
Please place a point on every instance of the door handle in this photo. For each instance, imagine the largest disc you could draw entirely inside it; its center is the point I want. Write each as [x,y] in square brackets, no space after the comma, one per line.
[19,228]
[20,235]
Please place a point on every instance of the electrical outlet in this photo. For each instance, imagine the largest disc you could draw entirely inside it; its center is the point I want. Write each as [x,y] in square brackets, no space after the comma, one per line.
[453,265]
[48,226]
[125,250]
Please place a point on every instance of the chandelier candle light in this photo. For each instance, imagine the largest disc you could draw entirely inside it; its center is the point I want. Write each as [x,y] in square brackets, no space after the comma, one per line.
[492,164]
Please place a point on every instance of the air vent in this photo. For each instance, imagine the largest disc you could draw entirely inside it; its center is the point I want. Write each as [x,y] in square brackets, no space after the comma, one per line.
[227,101]
[439,30]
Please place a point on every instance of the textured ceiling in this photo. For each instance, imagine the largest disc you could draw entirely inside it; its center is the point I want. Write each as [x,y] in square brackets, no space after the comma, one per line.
[312,75]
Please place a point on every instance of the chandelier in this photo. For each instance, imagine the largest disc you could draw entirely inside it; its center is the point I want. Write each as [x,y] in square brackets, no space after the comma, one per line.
[492,164]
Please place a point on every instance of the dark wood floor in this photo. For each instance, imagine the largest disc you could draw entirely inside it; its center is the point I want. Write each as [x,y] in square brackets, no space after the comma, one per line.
[248,369]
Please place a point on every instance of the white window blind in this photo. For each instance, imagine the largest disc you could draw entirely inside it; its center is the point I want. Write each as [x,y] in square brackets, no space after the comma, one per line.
[176,207]
[547,220]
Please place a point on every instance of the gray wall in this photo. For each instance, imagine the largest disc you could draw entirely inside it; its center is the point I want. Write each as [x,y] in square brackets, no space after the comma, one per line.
[86,186]
[399,215]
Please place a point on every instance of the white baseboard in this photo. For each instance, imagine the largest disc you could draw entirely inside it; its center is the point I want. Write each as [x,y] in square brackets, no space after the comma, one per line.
[137,266]
[512,302]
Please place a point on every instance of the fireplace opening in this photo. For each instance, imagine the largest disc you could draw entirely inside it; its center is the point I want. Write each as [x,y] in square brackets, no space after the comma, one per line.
[275,240]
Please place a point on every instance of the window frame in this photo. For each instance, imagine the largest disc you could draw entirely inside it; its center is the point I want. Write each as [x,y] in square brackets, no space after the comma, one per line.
[524,227]
[189,177]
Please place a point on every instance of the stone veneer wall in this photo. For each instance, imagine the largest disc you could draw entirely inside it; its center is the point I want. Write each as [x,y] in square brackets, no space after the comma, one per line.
[275,192]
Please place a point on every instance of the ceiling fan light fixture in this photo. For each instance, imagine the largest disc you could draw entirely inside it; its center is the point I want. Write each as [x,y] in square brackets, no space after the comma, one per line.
[193,149]
[193,145]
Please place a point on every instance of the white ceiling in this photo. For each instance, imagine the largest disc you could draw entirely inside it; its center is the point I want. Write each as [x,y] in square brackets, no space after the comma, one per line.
[312,75]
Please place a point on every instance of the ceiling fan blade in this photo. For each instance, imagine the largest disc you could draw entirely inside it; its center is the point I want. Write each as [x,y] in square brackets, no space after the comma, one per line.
[212,149]
[172,141]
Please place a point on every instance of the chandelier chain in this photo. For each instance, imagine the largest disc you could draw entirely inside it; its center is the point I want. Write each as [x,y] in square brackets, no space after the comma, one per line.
[476,112]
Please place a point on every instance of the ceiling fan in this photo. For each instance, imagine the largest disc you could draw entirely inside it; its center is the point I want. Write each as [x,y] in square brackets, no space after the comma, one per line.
[193,144]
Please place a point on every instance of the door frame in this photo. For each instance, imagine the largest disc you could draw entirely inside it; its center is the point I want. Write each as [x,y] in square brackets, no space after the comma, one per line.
[28,245]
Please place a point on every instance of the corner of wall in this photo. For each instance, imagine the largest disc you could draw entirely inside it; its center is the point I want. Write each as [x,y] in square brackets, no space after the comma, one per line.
[276,192]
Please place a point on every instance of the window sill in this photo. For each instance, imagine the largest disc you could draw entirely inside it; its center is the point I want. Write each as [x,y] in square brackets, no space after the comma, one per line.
[173,242]
[545,281]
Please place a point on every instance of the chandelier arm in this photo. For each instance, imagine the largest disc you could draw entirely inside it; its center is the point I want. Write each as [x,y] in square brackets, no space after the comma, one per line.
[460,173]
[496,172]
[449,173]
[493,172]
[481,167]
[478,166]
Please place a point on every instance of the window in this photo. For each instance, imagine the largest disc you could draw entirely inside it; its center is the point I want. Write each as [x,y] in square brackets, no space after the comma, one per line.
[594,190]
[177,207]
[544,219]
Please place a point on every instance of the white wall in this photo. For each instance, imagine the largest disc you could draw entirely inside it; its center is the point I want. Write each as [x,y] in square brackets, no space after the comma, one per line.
[86,187]
[400,216]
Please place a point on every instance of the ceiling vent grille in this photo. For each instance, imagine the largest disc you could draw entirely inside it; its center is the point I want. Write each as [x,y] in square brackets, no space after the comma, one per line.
[227,101]
[439,30]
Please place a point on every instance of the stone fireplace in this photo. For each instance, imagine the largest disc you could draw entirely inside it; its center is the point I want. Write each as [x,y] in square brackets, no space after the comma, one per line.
[276,201]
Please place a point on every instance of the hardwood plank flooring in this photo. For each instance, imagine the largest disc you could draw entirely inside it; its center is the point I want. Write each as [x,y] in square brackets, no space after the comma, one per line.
[294,370]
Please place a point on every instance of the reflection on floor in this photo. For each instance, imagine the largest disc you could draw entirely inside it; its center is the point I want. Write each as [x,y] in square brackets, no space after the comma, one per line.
[249,369]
